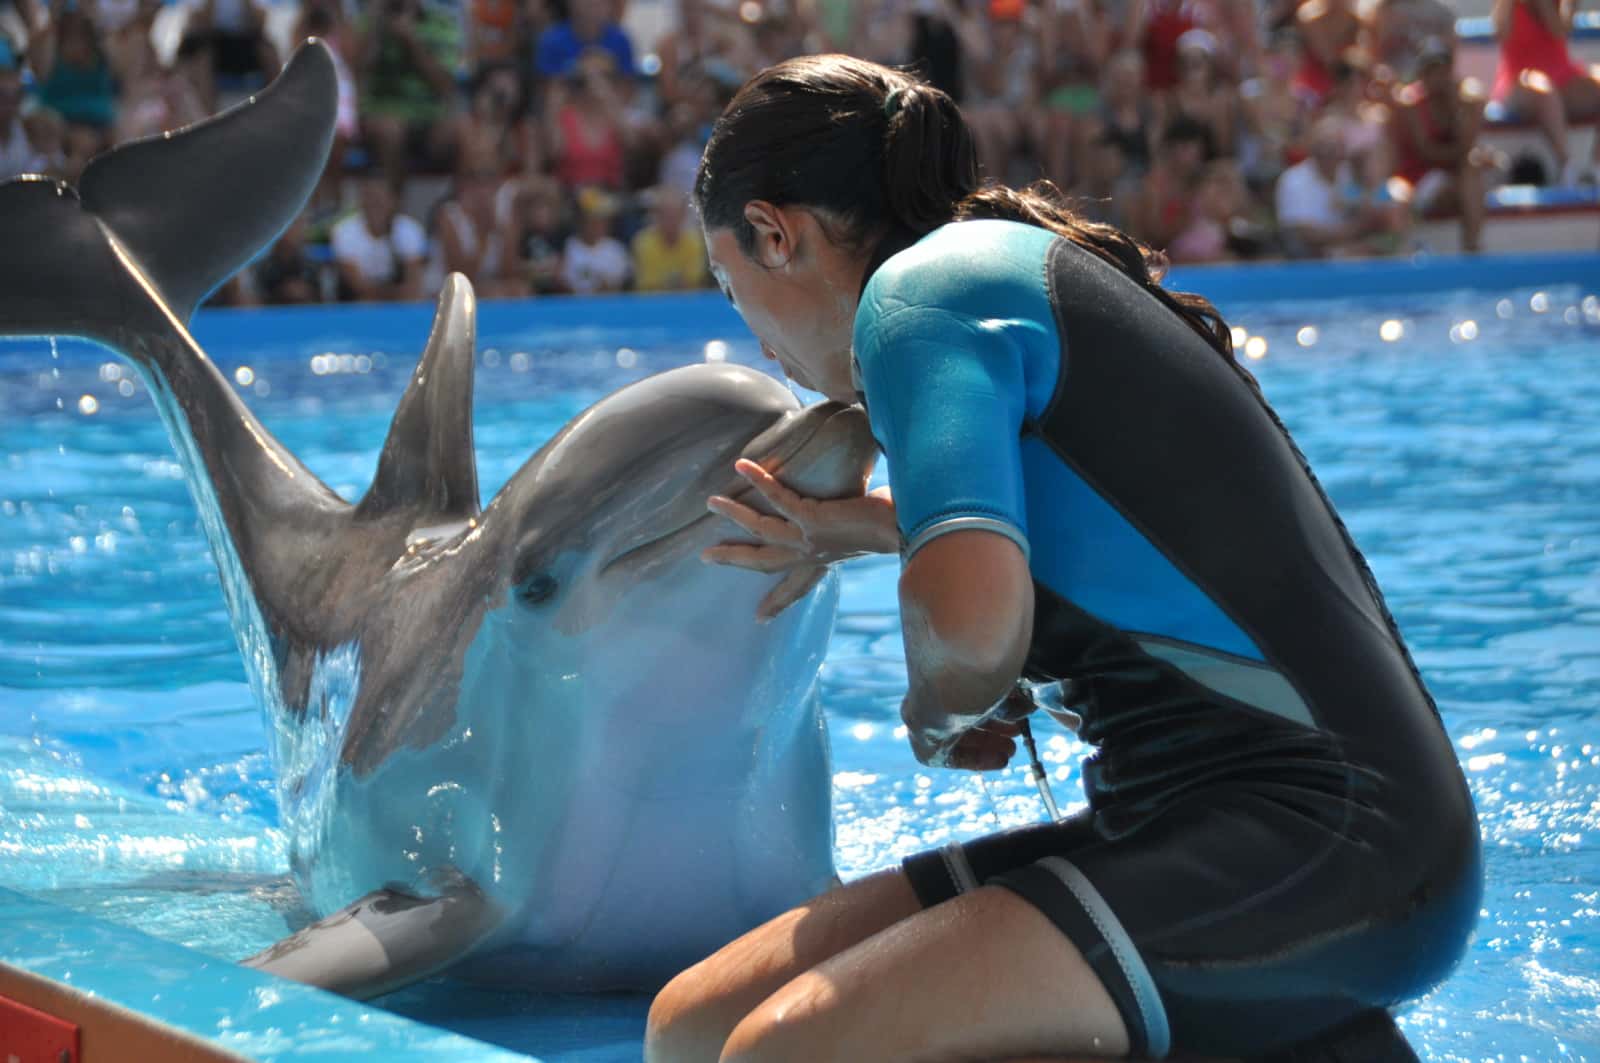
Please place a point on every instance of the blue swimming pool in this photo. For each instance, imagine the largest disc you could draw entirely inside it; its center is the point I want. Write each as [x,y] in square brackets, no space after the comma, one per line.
[1456,430]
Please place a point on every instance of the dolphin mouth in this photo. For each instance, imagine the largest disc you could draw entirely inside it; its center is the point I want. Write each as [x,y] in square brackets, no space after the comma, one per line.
[774,449]
[792,435]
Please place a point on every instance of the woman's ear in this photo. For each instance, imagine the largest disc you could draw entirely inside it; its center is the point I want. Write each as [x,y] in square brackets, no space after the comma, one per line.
[774,233]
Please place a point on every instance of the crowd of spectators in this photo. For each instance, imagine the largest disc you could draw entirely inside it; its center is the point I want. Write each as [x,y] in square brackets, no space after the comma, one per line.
[539,149]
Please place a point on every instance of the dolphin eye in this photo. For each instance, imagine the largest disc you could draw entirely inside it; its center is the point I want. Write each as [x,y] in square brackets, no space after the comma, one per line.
[539,587]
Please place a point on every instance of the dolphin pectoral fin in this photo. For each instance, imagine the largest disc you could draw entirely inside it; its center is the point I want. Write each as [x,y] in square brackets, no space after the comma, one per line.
[191,208]
[386,940]
[427,463]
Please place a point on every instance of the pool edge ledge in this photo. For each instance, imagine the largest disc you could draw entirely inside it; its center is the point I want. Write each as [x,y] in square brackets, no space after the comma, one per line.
[154,999]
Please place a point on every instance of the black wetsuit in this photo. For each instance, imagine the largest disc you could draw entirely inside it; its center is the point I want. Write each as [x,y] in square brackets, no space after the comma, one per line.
[1279,837]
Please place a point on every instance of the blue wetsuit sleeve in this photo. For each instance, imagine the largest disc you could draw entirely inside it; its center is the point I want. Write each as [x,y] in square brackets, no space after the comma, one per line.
[946,400]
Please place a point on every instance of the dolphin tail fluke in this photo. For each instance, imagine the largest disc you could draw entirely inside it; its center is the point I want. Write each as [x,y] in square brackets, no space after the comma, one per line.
[191,208]
[427,465]
[59,276]
[155,225]
[384,941]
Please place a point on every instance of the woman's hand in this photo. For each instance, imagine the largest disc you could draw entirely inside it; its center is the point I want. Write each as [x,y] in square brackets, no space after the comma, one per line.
[803,538]
[985,745]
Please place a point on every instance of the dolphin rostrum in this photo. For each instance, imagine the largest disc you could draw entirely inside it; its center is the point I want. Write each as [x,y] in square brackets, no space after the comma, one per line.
[542,736]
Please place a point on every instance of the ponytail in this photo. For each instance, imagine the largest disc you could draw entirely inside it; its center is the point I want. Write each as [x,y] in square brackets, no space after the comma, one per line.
[929,158]
[886,156]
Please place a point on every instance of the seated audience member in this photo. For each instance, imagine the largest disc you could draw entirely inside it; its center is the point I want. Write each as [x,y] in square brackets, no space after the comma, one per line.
[119,25]
[1219,222]
[379,252]
[1275,114]
[17,152]
[155,99]
[586,126]
[1538,77]
[1127,114]
[1434,128]
[75,80]
[1105,186]
[1002,86]
[669,254]
[1320,208]
[1164,22]
[1330,30]
[494,131]
[589,26]
[593,259]
[239,44]
[409,53]
[1364,122]
[1074,43]
[1203,92]
[537,236]
[196,64]
[1165,200]
[325,19]
[286,275]
[470,237]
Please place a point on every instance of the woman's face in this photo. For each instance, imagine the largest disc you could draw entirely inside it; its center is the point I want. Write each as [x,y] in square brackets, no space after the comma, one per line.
[801,316]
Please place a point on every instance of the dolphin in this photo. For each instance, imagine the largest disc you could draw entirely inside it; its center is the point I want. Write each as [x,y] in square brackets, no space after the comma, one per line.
[538,742]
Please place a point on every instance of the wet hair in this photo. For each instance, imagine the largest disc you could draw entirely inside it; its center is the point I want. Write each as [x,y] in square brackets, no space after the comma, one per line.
[880,156]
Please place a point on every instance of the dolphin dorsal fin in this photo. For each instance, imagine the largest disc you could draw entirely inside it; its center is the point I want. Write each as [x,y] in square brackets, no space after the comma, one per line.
[427,463]
[238,180]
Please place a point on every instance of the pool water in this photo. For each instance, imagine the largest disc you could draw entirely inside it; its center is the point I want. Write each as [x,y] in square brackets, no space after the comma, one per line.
[1459,434]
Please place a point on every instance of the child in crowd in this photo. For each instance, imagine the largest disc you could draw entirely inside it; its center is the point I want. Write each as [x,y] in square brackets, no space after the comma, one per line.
[287,275]
[594,260]
[1219,230]
[538,236]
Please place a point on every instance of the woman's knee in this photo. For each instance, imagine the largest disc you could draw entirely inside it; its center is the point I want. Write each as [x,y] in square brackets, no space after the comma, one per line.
[690,1019]
[786,1026]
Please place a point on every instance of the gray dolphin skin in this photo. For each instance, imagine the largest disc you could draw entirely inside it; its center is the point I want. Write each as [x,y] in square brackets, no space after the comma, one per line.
[538,742]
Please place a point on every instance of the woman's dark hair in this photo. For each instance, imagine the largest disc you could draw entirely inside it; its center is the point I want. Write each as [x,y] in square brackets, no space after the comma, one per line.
[883,154]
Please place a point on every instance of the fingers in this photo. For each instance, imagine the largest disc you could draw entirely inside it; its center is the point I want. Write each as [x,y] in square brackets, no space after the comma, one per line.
[770,529]
[790,589]
[783,500]
[1017,705]
[981,750]
[996,725]
[756,558]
